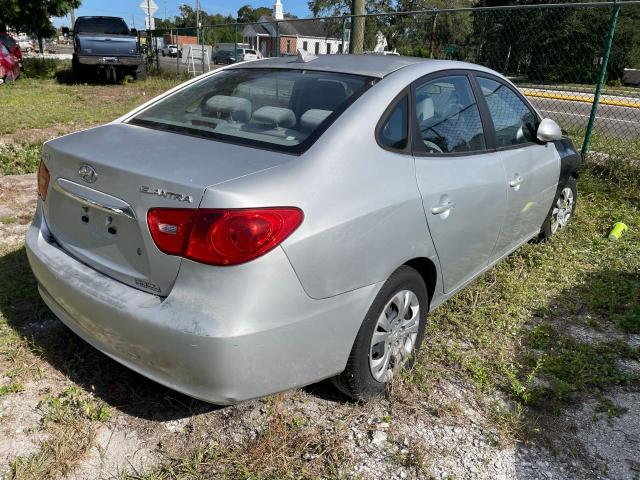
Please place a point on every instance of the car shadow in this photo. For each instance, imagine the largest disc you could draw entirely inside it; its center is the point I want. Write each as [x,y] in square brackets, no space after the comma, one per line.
[577,360]
[50,340]
[66,77]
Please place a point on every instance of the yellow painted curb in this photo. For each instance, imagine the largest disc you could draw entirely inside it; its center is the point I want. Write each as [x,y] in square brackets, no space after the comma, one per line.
[576,98]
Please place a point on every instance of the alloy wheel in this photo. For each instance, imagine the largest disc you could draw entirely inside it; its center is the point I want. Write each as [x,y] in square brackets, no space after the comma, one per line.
[562,211]
[394,336]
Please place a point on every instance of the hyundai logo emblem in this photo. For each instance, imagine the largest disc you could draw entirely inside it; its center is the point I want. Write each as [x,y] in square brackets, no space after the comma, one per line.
[88,173]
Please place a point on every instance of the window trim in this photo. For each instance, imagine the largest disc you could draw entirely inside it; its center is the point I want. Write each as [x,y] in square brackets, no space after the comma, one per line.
[407,150]
[489,76]
[418,149]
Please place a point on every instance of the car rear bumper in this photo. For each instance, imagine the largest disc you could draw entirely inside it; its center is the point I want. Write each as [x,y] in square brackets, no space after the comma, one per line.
[109,60]
[222,340]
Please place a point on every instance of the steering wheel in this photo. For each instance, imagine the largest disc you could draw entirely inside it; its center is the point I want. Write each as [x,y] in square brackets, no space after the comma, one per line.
[432,147]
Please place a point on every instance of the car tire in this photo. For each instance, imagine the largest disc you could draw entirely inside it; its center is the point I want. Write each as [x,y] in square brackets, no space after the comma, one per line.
[141,72]
[358,379]
[77,71]
[561,211]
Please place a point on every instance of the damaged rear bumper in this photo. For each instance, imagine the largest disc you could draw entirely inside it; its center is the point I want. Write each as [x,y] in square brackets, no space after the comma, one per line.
[203,339]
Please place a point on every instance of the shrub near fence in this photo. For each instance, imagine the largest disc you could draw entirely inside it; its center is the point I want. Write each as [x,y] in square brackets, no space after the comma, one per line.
[558,54]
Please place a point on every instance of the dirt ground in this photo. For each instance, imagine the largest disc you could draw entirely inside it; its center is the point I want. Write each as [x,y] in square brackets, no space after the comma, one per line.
[448,433]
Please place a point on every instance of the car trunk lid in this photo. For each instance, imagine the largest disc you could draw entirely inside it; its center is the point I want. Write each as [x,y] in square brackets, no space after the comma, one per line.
[108,45]
[104,181]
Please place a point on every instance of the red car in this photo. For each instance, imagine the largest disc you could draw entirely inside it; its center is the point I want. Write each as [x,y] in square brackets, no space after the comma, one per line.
[12,45]
[9,65]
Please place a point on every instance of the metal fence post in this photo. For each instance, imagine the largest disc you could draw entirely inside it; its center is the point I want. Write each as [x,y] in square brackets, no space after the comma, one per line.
[235,41]
[432,43]
[344,33]
[157,53]
[601,78]
[201,41]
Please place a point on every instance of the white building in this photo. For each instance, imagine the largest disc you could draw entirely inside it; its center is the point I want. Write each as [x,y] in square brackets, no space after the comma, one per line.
[314,36]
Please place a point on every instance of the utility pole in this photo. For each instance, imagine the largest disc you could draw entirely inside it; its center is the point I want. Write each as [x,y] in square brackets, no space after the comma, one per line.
[165,9]
[357,27]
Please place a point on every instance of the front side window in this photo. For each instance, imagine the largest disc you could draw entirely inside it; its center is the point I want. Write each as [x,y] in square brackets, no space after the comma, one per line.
[278,109]
[513,120]
[394,132]
[448,116]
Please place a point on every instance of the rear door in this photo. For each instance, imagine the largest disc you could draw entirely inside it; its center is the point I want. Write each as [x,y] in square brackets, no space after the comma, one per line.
[532,169]
[460,179]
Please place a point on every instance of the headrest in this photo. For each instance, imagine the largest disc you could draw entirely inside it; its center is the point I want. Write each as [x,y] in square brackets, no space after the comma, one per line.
[311,119]
[281,117]
[236,108]
[424,108]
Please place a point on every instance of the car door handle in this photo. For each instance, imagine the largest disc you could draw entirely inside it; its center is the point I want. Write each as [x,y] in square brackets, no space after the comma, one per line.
[516,182]
[443,207]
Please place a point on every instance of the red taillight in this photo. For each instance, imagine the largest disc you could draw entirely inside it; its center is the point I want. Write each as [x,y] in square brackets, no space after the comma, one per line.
[43,180]
[222,237]
[170,228]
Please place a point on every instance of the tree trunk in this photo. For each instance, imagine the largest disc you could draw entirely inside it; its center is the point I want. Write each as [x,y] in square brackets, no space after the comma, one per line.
[357,27]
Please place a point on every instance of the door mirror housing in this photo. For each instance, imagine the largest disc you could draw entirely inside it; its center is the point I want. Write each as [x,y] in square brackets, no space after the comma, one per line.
[66,32]
[548,131]
[133,32]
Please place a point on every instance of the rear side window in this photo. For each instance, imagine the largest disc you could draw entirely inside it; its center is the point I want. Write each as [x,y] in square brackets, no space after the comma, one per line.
[448,116]
[513,120]
[394,133]
[278,109]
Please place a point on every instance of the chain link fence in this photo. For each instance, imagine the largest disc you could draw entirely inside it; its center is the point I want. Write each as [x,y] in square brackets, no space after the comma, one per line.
[578,63]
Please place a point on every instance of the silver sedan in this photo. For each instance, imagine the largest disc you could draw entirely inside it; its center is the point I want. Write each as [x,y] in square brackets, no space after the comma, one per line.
[283,221]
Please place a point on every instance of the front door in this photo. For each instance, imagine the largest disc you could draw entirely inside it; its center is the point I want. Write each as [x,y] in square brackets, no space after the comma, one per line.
[461,182]
[532,169]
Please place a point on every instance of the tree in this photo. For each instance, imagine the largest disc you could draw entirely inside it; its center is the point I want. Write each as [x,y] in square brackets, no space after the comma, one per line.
[33,16]
[247,14]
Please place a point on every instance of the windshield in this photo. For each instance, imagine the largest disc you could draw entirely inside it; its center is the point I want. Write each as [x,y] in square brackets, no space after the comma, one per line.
[109,26]
[278,109]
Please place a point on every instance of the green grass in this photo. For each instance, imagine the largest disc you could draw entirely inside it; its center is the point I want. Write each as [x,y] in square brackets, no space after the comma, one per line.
[37,104]
[46,103]
[69,419]
[509,332]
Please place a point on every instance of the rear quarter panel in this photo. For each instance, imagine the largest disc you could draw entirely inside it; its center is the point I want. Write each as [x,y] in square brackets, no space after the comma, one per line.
[363,211]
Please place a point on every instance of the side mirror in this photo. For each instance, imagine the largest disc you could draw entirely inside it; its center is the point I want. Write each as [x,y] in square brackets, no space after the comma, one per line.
[66,32]
[134,32]
[548,131]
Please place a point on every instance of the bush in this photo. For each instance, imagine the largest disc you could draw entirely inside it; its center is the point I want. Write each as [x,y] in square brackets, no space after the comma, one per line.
[44,68]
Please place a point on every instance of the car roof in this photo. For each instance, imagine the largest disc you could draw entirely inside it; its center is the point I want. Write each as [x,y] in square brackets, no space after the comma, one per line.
[377,66]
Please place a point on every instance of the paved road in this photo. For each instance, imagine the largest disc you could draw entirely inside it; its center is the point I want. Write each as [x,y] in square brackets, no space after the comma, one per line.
[620,122]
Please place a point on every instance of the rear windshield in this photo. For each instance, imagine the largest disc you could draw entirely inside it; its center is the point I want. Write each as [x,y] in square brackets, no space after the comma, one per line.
[276,109]
[109,26]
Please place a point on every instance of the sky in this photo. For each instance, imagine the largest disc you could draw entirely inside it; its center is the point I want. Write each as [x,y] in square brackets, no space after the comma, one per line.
[127,8]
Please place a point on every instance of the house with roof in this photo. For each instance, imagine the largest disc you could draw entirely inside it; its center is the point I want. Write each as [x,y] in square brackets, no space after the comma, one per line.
[314,36]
